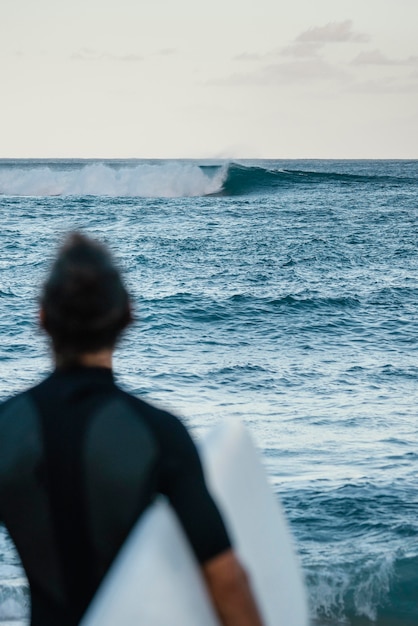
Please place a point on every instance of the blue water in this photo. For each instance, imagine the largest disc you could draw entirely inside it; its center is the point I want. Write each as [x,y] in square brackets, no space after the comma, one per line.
[282,293]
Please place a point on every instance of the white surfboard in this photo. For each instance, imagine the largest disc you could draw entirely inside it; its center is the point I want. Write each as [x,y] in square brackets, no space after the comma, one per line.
[256,524]
[156,581]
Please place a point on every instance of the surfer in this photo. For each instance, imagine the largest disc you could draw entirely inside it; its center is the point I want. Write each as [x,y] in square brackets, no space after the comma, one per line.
[81,459]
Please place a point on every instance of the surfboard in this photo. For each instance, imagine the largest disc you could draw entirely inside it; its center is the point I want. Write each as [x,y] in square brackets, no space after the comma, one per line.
[256,524]
[156,581]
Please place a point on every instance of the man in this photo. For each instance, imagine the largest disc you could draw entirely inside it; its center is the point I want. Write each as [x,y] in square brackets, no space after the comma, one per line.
[80,459]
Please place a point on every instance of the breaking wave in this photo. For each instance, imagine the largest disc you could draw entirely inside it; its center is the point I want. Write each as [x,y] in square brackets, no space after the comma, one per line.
[150,180]
[163,179]
[379,590]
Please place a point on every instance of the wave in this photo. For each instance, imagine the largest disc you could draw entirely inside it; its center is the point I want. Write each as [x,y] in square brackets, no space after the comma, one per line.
[360,557]
[246,179]
[164,179]
[14,601]
[150,180]
[377,590]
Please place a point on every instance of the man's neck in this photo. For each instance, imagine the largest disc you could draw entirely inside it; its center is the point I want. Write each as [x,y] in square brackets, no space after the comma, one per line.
[102,358]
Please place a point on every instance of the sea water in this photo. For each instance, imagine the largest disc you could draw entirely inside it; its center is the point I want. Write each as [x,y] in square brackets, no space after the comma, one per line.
[280,293]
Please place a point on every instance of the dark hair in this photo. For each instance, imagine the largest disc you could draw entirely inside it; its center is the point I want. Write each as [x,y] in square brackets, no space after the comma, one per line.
[84,301]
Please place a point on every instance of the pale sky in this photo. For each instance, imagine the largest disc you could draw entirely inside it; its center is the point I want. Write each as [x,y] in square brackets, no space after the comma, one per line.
[218,79]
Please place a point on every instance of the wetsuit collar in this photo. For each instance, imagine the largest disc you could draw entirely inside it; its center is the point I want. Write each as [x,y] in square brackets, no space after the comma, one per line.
[91,373]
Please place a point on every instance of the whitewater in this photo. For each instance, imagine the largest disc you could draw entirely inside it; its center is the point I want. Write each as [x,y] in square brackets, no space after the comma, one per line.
[282,293]
[74,178]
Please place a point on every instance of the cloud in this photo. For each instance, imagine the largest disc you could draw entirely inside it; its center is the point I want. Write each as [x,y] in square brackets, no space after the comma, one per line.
[389,85]
[376,57]
[372,57]
[304,71]
[333,32]
[308,44]
[302,49]
[294,72]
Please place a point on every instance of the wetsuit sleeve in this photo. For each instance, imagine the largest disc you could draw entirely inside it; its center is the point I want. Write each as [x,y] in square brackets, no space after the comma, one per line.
[182,481]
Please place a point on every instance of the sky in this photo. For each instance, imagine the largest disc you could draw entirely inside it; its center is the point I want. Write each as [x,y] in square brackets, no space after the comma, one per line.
[218,79]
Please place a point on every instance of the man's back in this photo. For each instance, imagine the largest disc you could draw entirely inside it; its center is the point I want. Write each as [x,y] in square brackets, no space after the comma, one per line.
[79,462]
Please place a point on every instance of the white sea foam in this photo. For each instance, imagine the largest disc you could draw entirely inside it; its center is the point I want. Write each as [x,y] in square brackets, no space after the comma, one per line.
[359,589]
[165,180]
[14,603]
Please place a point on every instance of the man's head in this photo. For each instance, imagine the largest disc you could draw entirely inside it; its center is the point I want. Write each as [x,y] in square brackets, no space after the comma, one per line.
[84,303]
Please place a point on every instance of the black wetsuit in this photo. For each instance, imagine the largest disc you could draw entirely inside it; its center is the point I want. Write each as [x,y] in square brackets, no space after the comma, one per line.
[80,460]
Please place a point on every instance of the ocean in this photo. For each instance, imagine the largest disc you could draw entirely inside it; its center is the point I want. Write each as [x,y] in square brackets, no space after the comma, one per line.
[281,293]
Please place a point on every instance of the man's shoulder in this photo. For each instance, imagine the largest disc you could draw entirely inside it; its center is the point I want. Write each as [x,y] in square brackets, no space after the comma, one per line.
[14,403]
[160,420]
[19,400]
[18,418]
